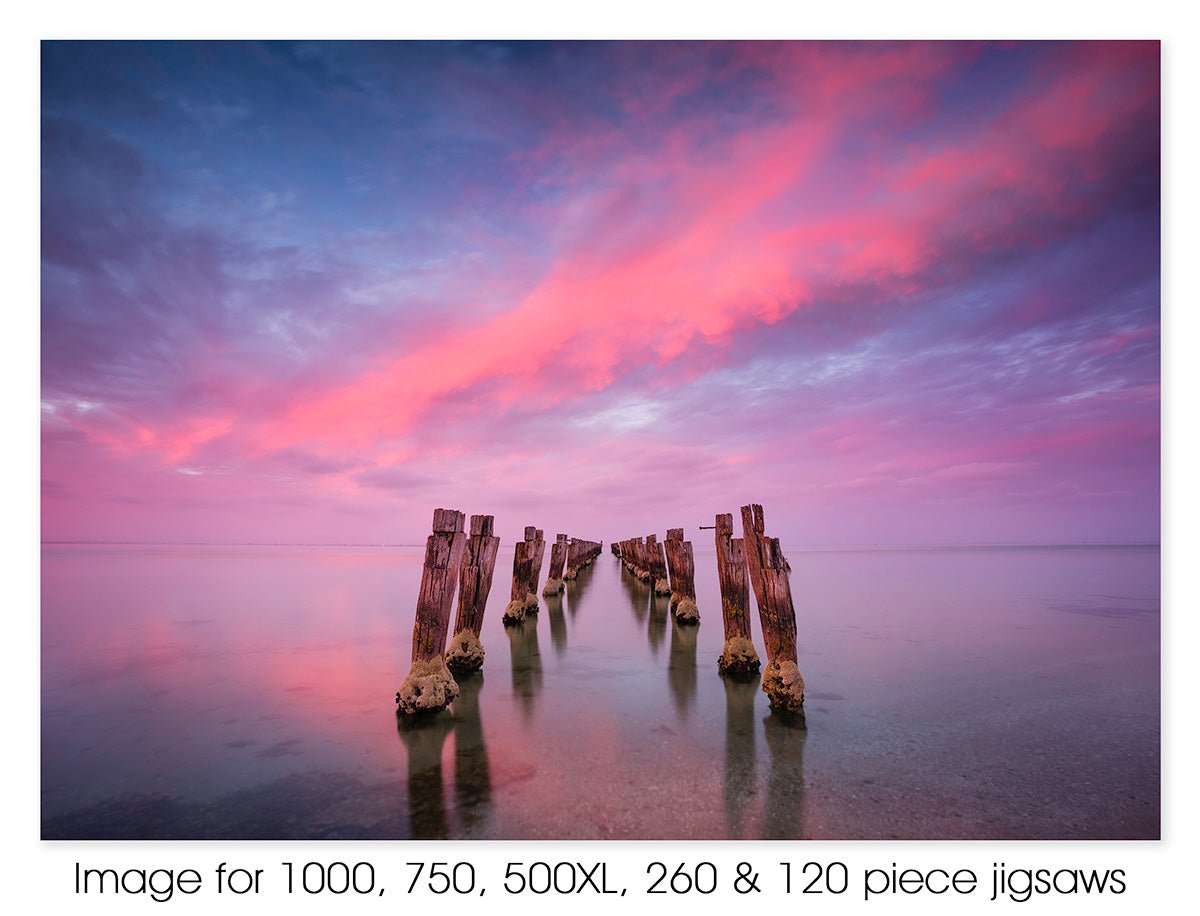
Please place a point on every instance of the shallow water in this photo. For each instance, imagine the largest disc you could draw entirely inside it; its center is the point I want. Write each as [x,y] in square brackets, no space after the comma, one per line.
[247,692]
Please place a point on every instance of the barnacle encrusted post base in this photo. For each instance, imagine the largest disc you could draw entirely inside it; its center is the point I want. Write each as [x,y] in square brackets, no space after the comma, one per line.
[429,687]
[515,611]
[687,612]
[465,653]
[738,657]
[784,685]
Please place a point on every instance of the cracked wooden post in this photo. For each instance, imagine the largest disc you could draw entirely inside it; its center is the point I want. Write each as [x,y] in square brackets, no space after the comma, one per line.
[657,565]
[638,565]
[769,569]
[465,653]
[515,611]
[536,553]
[682,568]
[429,685]
[593,551]
[572,569]
[738,657]
[558,558]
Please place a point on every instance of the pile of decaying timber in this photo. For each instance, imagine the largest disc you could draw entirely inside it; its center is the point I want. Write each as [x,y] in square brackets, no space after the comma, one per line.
[454,560]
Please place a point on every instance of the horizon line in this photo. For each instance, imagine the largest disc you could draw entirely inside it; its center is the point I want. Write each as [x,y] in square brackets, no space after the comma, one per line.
[813,548]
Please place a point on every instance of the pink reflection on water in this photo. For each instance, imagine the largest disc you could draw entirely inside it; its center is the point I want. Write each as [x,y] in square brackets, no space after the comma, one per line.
[951,693]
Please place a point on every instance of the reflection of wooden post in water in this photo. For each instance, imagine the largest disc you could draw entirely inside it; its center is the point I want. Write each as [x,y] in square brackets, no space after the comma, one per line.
[656,627]
[740,769]
[637,597]
[465,653]
[526,663]
[558,623]
[681,669]
[536,552]
[515,611]
[682,568]
[769,570]
[658,566]
[423,739]
[558,558]
[429,685]
[785,777]
[472,774]
[738,657]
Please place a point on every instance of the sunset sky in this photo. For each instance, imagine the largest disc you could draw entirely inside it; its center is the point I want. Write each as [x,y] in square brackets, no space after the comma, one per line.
[306,293]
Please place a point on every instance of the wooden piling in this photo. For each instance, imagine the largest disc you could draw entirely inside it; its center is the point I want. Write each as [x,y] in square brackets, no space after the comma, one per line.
[769,571]
[681,566]
[657,565]
[429,685]
[580,553]
[572,569]
[465,653]
[641,566]
[515,611]
[537,551]
[558,559]
[738,657]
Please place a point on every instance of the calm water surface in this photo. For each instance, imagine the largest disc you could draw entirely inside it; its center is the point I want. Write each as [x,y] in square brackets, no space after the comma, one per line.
[248,692]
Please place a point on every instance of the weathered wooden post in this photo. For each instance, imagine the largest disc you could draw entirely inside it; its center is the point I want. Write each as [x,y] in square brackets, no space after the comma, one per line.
[641,565]
[769,570]
[515,611]
[429,685]
[682,568]
[572,569]
[558,558]
[536,552]
[658,566]
[738,656]
[580,553]
[593,551]
[465,653]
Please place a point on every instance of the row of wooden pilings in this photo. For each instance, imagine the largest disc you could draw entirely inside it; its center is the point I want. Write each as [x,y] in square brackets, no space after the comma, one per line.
[768,571]
[668,568]
[456,561]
